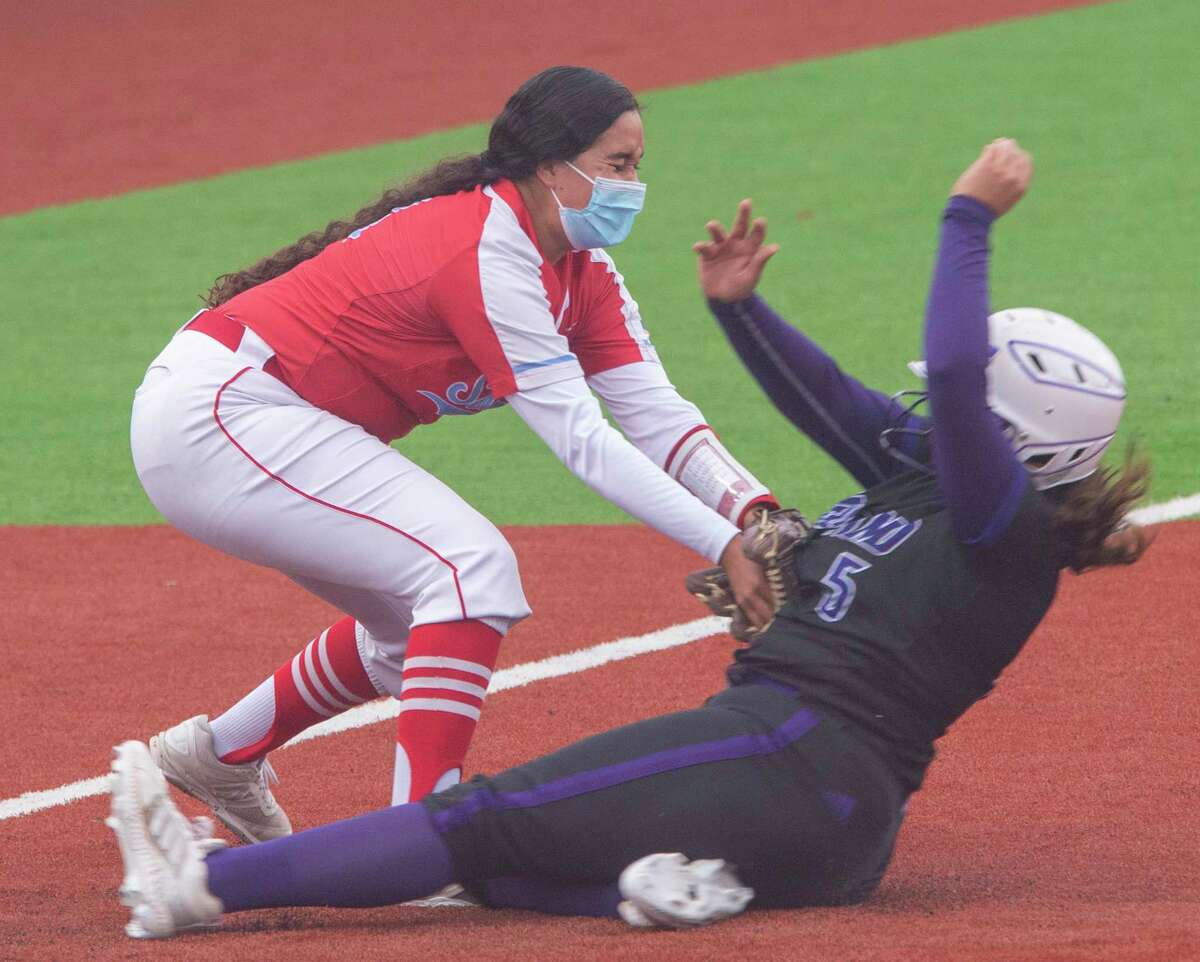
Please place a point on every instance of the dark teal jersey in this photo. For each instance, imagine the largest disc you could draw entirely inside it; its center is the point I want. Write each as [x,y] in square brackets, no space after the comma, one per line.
[899,626]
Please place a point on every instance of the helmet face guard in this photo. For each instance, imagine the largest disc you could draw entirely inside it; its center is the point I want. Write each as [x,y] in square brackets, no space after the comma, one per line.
[892,438]
[1058,390]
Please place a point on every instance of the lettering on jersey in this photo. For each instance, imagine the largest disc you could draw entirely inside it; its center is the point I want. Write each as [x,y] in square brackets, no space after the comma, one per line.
[460,399]
[840,586]
[880,534]
[841,513]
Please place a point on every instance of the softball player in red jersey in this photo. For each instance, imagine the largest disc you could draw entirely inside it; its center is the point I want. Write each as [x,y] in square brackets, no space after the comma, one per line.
[263,429]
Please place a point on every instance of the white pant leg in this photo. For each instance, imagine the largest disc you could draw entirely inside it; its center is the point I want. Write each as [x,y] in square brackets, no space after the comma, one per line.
[236,459]
[381,629]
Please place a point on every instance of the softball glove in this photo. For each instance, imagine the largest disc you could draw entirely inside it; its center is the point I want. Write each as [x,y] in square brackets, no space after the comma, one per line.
[770,541]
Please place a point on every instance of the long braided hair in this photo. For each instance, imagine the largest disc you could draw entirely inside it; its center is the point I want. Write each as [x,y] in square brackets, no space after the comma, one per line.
[553,116]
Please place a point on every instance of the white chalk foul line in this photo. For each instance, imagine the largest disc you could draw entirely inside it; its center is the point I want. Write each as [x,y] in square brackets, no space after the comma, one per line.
[517,676]
[30,802]
[1171,510]
[556,666]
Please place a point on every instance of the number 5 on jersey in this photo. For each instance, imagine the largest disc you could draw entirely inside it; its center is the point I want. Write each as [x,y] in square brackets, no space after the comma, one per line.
[839,582]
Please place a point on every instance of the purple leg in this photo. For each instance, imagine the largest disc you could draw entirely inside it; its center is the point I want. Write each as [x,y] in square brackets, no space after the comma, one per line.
[380,858]
[553,896]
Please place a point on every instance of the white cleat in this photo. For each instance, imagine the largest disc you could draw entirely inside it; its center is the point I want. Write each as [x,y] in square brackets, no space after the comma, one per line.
[667,891]
[202,829]
[166,880]
[239,795]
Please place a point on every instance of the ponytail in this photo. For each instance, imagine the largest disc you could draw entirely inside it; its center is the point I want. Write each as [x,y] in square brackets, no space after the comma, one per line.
[450,176]
[553,116]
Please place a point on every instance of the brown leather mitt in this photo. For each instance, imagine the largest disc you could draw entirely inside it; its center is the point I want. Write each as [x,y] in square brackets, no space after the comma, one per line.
[770,540]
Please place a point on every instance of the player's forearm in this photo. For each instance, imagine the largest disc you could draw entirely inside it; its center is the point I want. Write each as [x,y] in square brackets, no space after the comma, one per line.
[838,412]
[672,432]
[977,471]
[646,406]
[574,429]
[956,332]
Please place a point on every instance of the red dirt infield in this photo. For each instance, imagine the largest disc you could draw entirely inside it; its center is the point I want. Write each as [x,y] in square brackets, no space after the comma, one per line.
[1059,821]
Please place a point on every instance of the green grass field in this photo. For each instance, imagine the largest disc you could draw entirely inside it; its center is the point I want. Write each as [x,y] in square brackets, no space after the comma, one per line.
[849,158]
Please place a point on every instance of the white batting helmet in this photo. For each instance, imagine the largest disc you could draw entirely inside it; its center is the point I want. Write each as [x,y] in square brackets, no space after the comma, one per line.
[1058,388]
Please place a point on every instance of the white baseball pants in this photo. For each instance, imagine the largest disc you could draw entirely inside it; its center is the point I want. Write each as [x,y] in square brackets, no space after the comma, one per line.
[235,458]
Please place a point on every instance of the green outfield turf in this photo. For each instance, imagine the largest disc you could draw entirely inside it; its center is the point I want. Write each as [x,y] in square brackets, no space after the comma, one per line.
[849,158]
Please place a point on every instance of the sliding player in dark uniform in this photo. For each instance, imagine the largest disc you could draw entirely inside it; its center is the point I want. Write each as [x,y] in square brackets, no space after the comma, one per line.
[914,595]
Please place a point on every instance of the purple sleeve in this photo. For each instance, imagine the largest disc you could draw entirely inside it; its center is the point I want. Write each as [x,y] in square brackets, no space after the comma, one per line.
[979,475]
[806,385]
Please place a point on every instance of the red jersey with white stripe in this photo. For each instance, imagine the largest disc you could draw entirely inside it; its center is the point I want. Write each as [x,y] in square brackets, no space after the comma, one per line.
[443,307]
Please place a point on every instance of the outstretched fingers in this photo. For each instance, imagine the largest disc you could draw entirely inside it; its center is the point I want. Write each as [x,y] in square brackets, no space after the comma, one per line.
[743,244]
[763,255]
[741,220]
[758,231]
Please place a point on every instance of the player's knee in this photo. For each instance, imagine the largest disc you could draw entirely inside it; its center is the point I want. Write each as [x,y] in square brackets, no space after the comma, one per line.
[478,578]
[491,581]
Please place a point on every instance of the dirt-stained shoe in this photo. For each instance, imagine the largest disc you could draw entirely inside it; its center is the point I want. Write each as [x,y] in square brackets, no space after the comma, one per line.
[667,891]
[239,795]
[166,879]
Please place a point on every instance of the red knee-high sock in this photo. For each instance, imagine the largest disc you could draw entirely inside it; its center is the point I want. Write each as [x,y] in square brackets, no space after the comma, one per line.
[447,668]
[323,679]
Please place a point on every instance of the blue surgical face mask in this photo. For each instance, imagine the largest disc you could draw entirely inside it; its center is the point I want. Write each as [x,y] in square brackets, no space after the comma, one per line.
[608,217]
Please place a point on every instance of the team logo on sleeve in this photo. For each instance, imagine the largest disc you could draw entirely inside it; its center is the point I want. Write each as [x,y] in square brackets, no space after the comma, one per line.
[461,399]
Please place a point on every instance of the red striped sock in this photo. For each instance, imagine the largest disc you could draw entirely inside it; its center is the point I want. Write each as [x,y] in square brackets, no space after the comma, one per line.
[447,668]
[322,680]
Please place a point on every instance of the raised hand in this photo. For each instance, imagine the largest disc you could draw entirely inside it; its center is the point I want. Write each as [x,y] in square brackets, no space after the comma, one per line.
[730,265]
[999,177]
